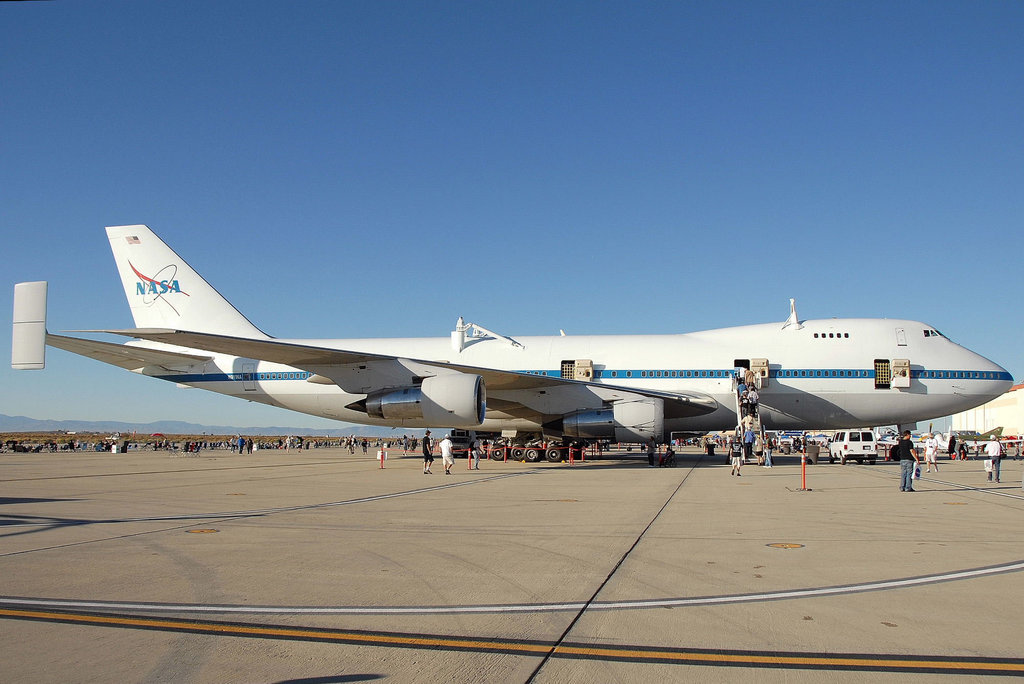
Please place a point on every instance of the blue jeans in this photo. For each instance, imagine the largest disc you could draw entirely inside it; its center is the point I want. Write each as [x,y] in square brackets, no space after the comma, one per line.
[768,457]
[906,475]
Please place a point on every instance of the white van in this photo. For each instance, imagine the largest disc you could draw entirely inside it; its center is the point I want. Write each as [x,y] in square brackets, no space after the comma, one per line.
[853,445]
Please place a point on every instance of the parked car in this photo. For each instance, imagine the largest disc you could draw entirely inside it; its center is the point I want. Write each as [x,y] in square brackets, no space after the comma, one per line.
[856,445]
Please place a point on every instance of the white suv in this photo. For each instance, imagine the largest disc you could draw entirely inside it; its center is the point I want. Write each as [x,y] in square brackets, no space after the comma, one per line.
[853,445]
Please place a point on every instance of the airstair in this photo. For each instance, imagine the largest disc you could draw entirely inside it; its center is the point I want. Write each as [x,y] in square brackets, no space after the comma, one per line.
[752,420]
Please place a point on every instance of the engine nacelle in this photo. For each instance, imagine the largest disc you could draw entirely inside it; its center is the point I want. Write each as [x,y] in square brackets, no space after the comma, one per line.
[456,400]
[626,421]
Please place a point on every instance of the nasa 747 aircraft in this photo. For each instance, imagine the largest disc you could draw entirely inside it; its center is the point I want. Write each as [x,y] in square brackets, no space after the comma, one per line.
[813,374]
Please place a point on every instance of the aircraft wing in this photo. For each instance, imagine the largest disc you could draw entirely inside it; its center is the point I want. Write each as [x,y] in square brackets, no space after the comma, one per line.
[363,372]
[124,355]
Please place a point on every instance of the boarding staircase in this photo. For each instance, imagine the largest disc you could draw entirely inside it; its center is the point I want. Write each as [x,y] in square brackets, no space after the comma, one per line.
[742,422]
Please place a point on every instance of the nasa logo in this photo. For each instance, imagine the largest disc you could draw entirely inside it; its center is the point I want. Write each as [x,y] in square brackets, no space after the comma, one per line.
[155,287]
[163,282]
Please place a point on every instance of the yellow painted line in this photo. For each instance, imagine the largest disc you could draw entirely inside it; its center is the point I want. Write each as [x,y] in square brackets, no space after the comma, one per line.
[980,666]
[285,632]
[791,660]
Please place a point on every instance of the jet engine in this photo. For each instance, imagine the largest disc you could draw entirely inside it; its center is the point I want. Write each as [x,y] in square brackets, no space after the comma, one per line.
[457,400]
[625,421]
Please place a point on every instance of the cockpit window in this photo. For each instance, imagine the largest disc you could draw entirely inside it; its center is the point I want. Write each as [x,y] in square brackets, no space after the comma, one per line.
[933,333]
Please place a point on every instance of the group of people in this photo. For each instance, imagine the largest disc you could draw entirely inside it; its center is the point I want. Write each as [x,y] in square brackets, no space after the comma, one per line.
[752,445]
[665,460]
[748,400]
[447,450]
[909,460]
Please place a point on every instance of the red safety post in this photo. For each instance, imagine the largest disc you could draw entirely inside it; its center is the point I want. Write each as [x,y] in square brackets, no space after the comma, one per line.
[571,450]
[383,456]
[803,468]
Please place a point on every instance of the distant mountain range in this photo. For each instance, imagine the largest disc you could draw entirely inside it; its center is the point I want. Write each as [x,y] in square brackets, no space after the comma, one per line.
[177,427]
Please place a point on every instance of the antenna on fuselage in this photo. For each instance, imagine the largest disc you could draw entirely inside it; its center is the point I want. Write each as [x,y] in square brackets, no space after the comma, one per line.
[793,319]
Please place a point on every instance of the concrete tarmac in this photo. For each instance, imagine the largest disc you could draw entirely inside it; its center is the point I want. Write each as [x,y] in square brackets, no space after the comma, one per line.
[318,566]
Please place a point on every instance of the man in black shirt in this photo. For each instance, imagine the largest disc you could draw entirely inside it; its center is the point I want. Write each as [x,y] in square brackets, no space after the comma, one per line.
[428,453]
[908,461]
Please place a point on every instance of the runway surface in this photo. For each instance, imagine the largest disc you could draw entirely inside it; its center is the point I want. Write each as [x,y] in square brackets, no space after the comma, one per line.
[318,566]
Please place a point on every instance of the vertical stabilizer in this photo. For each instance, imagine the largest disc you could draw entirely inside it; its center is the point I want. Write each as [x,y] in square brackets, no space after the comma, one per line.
[164,292]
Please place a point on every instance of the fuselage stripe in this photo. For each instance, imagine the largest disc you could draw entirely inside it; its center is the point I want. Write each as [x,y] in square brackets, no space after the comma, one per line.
[641,374]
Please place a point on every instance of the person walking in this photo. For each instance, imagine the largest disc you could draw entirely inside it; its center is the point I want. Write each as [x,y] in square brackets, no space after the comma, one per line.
[769,444]
[428,453]
[931,453]
[474,450]
[447,458]
[994,451]
[737,456]
[748,444]
[908,461]
[650,453]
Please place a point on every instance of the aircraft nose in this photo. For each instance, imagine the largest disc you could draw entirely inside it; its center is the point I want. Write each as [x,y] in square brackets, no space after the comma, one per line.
[993,380]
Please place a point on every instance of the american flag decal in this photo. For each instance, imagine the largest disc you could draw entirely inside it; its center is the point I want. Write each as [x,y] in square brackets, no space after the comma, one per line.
[132,240]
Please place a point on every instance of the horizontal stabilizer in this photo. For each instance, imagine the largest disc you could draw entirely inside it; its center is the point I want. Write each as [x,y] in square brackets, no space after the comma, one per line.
[126,356]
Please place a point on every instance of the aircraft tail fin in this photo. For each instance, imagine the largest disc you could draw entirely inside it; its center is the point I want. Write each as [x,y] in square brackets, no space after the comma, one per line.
[163,291]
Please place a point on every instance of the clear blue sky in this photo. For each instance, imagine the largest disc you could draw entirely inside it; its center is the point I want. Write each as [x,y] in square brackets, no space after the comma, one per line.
[363,169]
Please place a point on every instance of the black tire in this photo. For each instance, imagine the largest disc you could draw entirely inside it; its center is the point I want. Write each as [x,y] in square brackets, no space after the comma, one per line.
[518,453]
[532,455]
[553,454]
[497,453]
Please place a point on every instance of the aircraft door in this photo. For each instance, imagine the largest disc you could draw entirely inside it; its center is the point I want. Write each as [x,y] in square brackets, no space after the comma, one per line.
[249,377]
[578,369]
[901,337]
[760,369]
[900,373]
[883,374]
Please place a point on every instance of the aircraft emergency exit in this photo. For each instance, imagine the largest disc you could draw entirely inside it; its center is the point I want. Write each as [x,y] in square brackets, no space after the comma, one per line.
[812,374]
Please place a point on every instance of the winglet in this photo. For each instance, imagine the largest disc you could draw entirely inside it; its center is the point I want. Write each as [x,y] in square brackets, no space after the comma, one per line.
[28,336]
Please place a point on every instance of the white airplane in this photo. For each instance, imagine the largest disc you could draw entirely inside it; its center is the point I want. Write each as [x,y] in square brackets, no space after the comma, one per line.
[813,374]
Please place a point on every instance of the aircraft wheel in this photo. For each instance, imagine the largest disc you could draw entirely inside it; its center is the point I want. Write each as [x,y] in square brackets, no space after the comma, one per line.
[553,454]
[532,455]
[497,453]
[518,453]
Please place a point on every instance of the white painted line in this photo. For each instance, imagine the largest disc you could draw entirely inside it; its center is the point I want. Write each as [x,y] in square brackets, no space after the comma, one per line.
[514,608]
